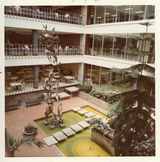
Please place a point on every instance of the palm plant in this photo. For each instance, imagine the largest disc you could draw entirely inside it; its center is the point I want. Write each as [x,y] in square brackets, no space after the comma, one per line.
[134,124]
[12,144]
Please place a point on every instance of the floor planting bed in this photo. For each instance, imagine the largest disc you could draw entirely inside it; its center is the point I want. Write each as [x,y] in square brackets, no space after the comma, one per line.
[78,143]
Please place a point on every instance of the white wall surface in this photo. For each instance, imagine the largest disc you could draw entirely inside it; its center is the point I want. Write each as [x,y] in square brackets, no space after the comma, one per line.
[36,24]
[120,27]
[38,60]
[94,60]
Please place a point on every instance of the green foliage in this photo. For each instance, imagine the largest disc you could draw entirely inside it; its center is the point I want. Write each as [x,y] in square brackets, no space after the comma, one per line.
[13,143]
[86,88]
[116,108]
[132,126]
[30,128]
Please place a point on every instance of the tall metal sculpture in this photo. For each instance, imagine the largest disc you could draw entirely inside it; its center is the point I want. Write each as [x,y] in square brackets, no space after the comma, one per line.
[54,109]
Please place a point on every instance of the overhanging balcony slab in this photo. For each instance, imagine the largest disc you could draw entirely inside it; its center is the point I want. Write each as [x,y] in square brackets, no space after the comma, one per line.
[139,26]
[108,62]
[38,60]
[37,24]
[121,27]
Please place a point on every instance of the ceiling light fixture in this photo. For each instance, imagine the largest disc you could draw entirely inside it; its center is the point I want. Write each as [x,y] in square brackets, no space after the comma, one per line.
[114,15]
[126,9]
[107,13]
[17,8]
[66,15]
[139,12]
[56,14]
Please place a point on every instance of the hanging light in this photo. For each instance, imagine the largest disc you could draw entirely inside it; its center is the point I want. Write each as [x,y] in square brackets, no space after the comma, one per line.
[126,10]
[129,8]
[114,15]
[139,12]
[99,17]
[107,13]
[66,15]
[17,8]
[56,14]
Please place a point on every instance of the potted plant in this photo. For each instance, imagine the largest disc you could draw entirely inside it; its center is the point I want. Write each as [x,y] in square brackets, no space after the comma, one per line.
[30,130]
[12,144]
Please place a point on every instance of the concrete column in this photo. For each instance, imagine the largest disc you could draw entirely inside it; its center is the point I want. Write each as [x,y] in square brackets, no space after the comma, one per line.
[92,53]
[84,11]
[102,45]
[100,76]
[116,19]
[83,43]
[95,14]
[113,45]
[126,46]
[123,76]
[35,37]
[105,10]
[110,76]
[36,76]
[129,13]
[81,73]
[145,12]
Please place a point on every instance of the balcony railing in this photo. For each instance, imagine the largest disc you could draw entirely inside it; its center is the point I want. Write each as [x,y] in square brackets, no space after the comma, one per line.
[49,14]
[28,50]
[120,54]
[27,88]
[116,18]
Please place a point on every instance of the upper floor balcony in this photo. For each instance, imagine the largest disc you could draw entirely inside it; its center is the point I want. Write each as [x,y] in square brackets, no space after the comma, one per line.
[116,53]
[20,55]
[24,79]
[26,54]
[133,47]
[82,19]
[116,14]
[27,50]
[46,13]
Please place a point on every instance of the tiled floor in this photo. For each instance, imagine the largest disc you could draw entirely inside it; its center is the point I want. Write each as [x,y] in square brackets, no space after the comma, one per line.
[16,120]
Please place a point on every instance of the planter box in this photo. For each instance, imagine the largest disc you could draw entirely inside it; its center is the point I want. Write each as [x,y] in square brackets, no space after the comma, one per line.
[103,141]
[99,103]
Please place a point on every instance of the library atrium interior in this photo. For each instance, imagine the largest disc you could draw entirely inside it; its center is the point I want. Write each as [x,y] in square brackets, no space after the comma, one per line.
[79,81]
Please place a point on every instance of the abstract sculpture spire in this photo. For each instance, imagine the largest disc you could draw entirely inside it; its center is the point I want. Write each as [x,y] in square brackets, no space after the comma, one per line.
[54,109]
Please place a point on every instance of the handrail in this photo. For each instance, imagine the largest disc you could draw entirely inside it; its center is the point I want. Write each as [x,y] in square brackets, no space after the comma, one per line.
[118,53]
[117,18]
[29,50]
[46,15]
